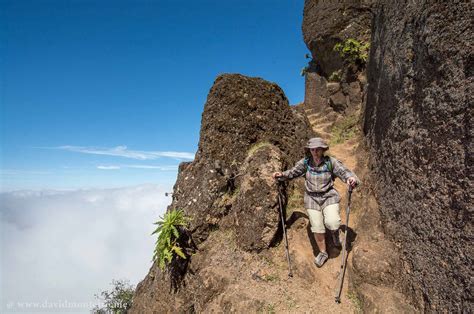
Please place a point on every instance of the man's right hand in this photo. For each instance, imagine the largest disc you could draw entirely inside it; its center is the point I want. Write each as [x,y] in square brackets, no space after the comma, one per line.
[277,175]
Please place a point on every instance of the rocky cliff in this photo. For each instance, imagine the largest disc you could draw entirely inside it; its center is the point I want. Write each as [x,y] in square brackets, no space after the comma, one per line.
[333,84]
[417,121]
[416,112]
[412,217]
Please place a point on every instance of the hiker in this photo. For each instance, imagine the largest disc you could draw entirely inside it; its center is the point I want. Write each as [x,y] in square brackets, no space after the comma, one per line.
[321,199]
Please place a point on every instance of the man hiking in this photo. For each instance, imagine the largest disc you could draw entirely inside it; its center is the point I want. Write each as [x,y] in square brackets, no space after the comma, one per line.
[321,199]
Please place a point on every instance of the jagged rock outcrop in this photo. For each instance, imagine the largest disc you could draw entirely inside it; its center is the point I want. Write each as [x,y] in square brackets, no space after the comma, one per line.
[241,114]
[418,120]
[248,132]
[332,84]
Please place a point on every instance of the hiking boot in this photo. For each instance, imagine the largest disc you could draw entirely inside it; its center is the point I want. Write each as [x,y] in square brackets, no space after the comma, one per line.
[335,239]
[321,259]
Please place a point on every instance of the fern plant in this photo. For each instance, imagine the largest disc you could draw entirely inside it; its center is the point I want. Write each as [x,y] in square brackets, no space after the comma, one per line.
[167,245]
[353,50]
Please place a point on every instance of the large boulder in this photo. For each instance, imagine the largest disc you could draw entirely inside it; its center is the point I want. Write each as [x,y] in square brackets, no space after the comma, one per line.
[255,210]
[248,132]
[241,114]
[418,120]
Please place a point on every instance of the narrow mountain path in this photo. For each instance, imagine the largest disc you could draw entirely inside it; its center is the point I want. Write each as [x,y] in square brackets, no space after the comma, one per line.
[239,281]
[316,287]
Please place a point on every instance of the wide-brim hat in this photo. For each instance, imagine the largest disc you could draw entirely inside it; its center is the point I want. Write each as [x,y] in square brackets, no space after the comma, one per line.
[316,142]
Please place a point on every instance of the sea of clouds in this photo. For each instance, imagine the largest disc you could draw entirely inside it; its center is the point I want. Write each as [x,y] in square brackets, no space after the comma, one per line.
[66,246]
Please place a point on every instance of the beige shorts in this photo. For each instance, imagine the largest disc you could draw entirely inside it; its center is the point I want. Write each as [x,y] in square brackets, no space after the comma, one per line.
[329,217]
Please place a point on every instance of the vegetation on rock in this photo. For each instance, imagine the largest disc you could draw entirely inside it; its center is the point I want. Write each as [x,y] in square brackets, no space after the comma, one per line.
[344,129]
[353,51]
[335,76]
[118,300]
[168,230]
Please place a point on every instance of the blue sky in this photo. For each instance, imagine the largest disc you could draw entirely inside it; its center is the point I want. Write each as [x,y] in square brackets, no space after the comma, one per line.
[110,93]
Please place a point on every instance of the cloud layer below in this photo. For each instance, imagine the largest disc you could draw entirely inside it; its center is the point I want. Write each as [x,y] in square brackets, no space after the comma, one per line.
[69,245]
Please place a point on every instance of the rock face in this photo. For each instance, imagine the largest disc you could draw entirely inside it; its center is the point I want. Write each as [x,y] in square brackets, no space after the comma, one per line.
[376,262]
[242,115]
[326,23]
[418,120]
[248,132]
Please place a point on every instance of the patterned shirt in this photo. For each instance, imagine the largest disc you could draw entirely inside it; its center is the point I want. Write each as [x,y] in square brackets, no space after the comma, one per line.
[319,180]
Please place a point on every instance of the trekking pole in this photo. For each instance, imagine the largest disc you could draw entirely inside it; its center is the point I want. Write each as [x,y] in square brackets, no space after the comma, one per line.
[344,245]
[282,218]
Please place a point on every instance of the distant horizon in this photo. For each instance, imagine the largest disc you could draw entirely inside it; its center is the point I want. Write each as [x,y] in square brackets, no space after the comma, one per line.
[99,103]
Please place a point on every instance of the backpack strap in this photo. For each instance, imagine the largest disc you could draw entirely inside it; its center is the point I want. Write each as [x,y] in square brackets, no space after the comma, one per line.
[327,162]
[330,167]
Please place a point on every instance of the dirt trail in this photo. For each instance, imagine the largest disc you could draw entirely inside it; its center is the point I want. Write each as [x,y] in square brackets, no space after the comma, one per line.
[263,281]
[311,289]
[328,274]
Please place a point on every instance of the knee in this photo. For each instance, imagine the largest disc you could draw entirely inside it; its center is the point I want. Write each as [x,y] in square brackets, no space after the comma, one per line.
[332,219]
[333,223]
[316,221]
[318,228]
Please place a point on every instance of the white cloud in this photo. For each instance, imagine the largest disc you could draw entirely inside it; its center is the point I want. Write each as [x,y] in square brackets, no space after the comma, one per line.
[114,167]
[108,167]
[122,151]
[69,245]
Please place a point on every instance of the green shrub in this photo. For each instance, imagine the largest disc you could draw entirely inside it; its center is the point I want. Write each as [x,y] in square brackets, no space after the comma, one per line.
[353,51]
[117,301]
[168,230]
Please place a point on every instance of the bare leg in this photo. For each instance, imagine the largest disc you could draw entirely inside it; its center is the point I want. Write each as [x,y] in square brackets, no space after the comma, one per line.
[320,240]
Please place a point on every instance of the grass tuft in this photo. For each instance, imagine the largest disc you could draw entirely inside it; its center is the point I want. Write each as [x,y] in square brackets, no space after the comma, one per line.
[356,301]
[344,129]
[257,146]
